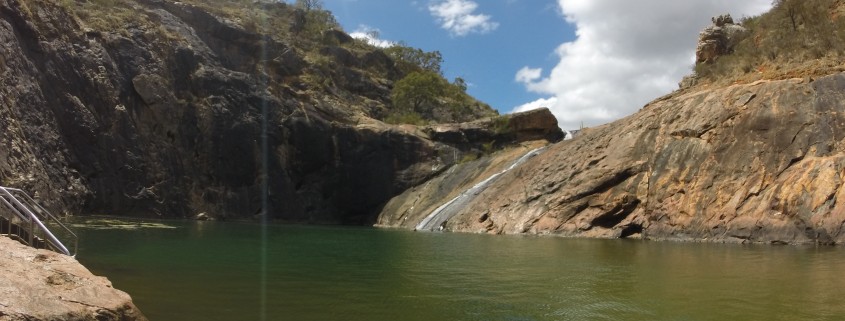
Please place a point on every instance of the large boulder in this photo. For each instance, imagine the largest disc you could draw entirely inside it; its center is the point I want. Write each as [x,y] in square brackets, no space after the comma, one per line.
[44,285]
[537,124]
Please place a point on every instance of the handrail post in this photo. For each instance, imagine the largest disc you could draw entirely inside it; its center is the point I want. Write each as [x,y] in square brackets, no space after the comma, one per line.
[32,234]
[33,219]
[49,216]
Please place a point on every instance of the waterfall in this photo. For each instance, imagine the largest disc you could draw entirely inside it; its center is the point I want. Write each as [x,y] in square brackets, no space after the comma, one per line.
[443,213]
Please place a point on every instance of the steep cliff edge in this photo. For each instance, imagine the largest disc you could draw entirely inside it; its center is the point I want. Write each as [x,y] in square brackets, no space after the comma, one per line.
[44,285]
[159,108]
[759,162]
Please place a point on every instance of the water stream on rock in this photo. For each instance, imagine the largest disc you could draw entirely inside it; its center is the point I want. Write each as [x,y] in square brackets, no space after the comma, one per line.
[437,218]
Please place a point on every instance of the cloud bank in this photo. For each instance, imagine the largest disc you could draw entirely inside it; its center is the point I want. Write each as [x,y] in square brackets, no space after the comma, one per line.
[626,53]
[458,17]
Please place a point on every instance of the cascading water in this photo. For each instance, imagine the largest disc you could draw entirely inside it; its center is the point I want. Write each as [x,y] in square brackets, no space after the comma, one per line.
[438,217]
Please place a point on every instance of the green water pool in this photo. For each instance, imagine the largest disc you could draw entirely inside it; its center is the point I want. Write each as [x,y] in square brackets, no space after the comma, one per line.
[228,271]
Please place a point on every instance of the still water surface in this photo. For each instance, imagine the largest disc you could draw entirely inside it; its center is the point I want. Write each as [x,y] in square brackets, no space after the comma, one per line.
[212,271]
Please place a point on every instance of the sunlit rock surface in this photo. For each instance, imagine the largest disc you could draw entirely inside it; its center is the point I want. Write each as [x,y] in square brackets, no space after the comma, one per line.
[759,162]
[44,285]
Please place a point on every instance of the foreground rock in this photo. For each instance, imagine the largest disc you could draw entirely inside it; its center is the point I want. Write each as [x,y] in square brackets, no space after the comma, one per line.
[43,285]
[760,162]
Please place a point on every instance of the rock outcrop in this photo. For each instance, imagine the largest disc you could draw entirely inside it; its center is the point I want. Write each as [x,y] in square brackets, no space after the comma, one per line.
[537,124]
[761,162]
[44,285]
[718,39]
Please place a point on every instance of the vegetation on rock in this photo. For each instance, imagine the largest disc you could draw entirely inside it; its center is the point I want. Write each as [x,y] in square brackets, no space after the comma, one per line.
[796,38]
[424,95]
[409,59]
[339,67]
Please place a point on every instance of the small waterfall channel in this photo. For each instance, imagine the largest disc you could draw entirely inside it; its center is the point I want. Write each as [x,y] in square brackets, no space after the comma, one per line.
[438,217]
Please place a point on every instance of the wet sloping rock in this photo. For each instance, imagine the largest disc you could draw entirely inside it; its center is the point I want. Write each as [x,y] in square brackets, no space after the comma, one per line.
[411,207]
[518,133]
[43,285]
[760,162]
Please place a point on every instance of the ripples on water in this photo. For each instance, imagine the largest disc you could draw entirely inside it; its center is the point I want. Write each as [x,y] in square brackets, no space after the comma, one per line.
[210,271]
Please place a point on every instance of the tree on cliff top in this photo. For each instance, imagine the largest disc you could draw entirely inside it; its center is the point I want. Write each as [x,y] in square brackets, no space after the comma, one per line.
[427,95]
[417,90]
[409,59]
[309,5]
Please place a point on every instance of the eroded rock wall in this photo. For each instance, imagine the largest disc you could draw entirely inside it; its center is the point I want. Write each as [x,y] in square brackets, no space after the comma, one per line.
[165,120]
[760,162]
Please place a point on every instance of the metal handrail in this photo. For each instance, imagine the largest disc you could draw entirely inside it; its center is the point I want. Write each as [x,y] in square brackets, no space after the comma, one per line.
[14,210]
[47,215]
[15,205]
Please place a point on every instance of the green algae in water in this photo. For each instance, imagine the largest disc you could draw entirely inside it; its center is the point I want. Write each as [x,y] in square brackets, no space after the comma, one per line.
[116,224]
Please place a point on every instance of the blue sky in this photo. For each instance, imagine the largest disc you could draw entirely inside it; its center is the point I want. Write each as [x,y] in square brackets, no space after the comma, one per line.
[527,33]
[590,61]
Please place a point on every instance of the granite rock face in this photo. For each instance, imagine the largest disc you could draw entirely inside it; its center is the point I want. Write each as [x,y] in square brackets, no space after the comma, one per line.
[165,119]
[718,39]
[43,285]
[761,162]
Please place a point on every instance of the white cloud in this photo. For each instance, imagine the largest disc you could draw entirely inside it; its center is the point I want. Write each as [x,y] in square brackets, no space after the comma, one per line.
[527,75]
[457,17]
[539,103]
[626,53]
[371,36]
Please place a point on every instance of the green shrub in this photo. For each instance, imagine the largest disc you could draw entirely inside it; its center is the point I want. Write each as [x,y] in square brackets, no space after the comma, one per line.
[468,158]
[418,90]
[410,59]
[405,117]
[501,125]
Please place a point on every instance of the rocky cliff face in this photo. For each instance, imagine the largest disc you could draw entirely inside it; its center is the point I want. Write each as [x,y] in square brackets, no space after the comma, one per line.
[44,285]
[759,162]
[168,115]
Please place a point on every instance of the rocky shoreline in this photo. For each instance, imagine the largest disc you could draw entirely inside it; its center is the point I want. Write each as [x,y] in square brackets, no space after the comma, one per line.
[44,285]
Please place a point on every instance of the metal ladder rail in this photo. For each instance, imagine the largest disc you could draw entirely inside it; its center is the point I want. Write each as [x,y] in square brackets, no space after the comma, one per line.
[13,209]
[33,220]
[28,238]
[46,215]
